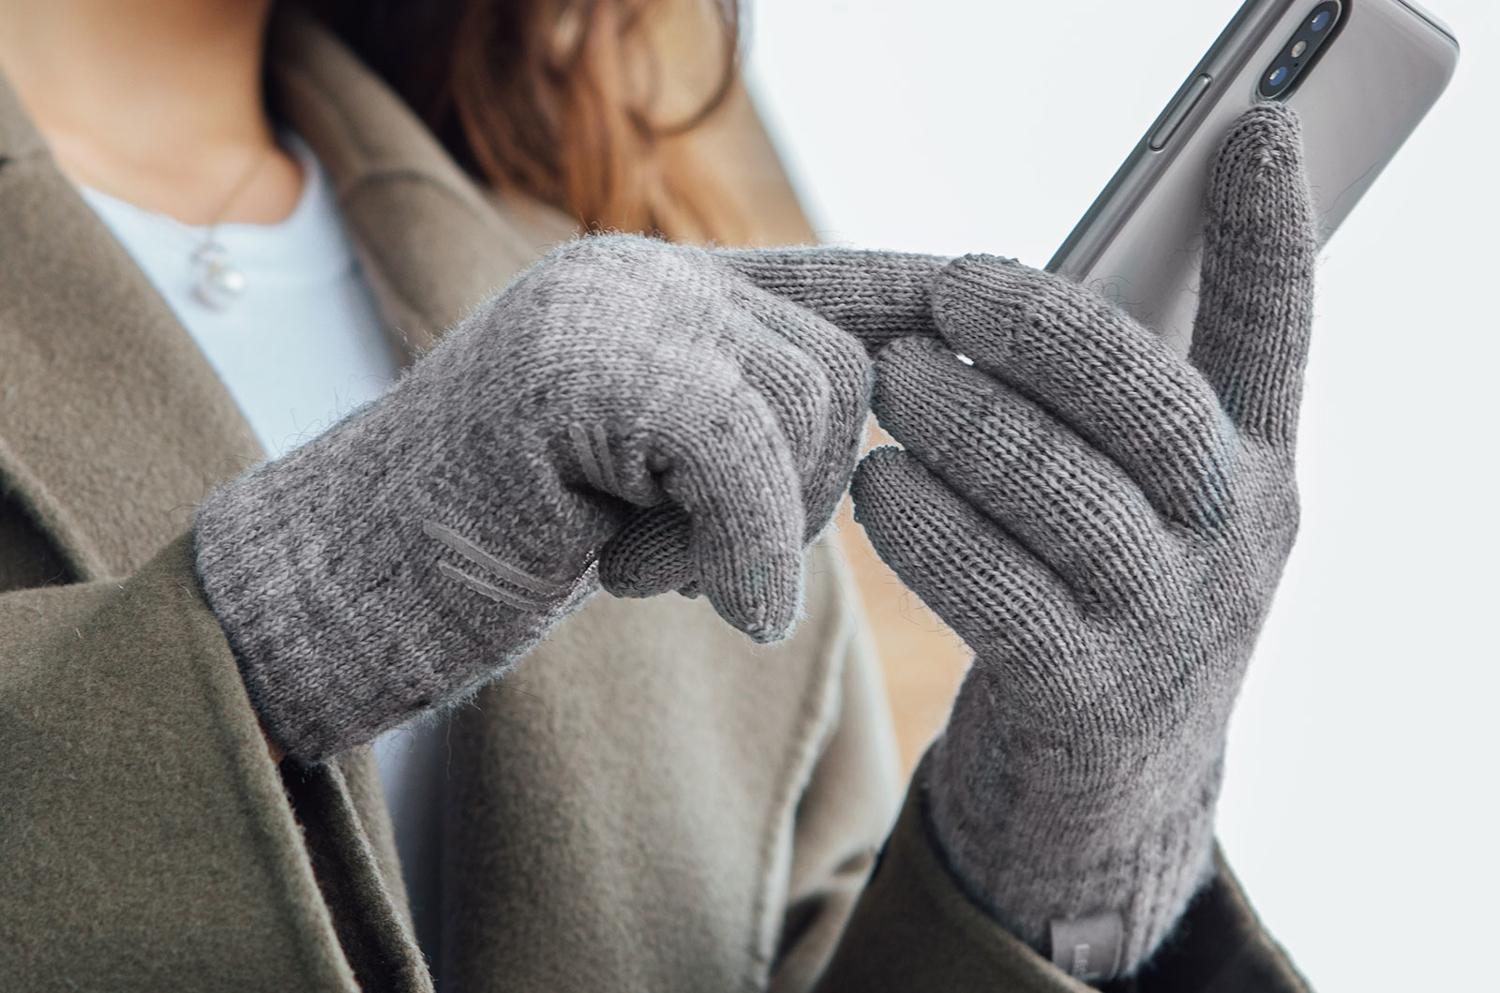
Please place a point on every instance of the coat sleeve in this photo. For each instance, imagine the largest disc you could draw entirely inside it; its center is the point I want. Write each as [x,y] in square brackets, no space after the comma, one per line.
[913,928]
[146,841]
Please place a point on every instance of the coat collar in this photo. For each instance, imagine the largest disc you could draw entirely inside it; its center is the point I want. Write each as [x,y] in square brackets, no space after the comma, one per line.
[433,245]
[113,427]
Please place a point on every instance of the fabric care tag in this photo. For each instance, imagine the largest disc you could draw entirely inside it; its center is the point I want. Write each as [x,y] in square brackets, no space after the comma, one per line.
[1089,947]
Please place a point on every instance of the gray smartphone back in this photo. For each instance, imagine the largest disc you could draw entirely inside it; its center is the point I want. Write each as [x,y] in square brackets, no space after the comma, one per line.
[1372,83]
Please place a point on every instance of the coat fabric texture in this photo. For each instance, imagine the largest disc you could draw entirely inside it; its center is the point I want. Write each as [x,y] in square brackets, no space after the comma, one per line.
[650,802]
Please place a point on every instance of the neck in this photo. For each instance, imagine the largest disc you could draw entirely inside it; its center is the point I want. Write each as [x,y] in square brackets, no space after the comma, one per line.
[155,101]
[81,65]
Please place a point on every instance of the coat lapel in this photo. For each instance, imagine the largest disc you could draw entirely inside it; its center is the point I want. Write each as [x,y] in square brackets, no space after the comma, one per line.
[433,246]
[112,424]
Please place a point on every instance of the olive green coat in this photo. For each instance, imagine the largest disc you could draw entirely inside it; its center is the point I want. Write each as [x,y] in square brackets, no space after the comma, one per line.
[649,803]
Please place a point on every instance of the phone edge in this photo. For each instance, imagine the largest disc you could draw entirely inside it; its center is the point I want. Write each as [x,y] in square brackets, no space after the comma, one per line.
[1107,204]
[1108,213]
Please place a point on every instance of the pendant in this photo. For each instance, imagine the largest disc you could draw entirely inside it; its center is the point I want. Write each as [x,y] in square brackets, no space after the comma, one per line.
[219,284]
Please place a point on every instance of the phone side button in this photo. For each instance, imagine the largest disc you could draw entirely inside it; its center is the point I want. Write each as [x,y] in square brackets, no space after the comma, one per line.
[1189,98]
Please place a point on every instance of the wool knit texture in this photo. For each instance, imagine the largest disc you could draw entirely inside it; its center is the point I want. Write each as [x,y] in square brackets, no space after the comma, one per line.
[629,413]
[1104,524]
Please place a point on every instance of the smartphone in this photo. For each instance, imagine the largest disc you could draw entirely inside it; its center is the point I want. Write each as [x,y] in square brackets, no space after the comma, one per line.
[1361,74]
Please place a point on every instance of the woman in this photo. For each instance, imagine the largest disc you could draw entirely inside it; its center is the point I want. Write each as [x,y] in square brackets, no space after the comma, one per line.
[645,797]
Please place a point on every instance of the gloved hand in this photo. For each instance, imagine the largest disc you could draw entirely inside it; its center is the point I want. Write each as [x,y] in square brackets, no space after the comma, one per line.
[1104,525]
[666,413]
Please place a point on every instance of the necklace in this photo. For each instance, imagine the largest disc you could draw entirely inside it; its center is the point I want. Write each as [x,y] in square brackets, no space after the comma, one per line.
[217,282]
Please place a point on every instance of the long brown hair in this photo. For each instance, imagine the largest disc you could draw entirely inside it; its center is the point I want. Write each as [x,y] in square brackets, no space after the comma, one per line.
[560,100]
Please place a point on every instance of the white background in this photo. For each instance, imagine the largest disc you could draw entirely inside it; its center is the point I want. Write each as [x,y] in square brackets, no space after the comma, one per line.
[1360,805]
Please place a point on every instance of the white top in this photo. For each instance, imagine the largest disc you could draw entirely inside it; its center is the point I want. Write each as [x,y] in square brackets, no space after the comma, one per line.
[301,347]
[304,345]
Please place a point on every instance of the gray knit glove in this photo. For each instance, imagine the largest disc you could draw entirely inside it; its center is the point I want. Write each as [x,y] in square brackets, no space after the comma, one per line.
[1104,524]
[648,416]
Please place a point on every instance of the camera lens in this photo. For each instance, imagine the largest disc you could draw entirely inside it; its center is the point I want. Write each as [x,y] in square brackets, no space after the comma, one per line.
[1278,76]
[1321,21]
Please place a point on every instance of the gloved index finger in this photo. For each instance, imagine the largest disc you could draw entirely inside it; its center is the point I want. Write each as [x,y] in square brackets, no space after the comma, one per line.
[873,295]
[1260,248]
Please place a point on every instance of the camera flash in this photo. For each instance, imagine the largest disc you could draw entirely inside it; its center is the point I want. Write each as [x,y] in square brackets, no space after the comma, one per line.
[1298,49]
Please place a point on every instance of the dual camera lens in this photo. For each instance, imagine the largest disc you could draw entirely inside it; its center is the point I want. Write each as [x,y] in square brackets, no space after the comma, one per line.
[1301,51]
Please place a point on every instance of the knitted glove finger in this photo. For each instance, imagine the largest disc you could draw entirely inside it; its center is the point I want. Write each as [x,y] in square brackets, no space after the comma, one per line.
[832,303]
[1067,504]
[1255,310]
[921,528]
[652,554]
[745,509]
[794,385]
[1108,378]
[875,296]
[850,377]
